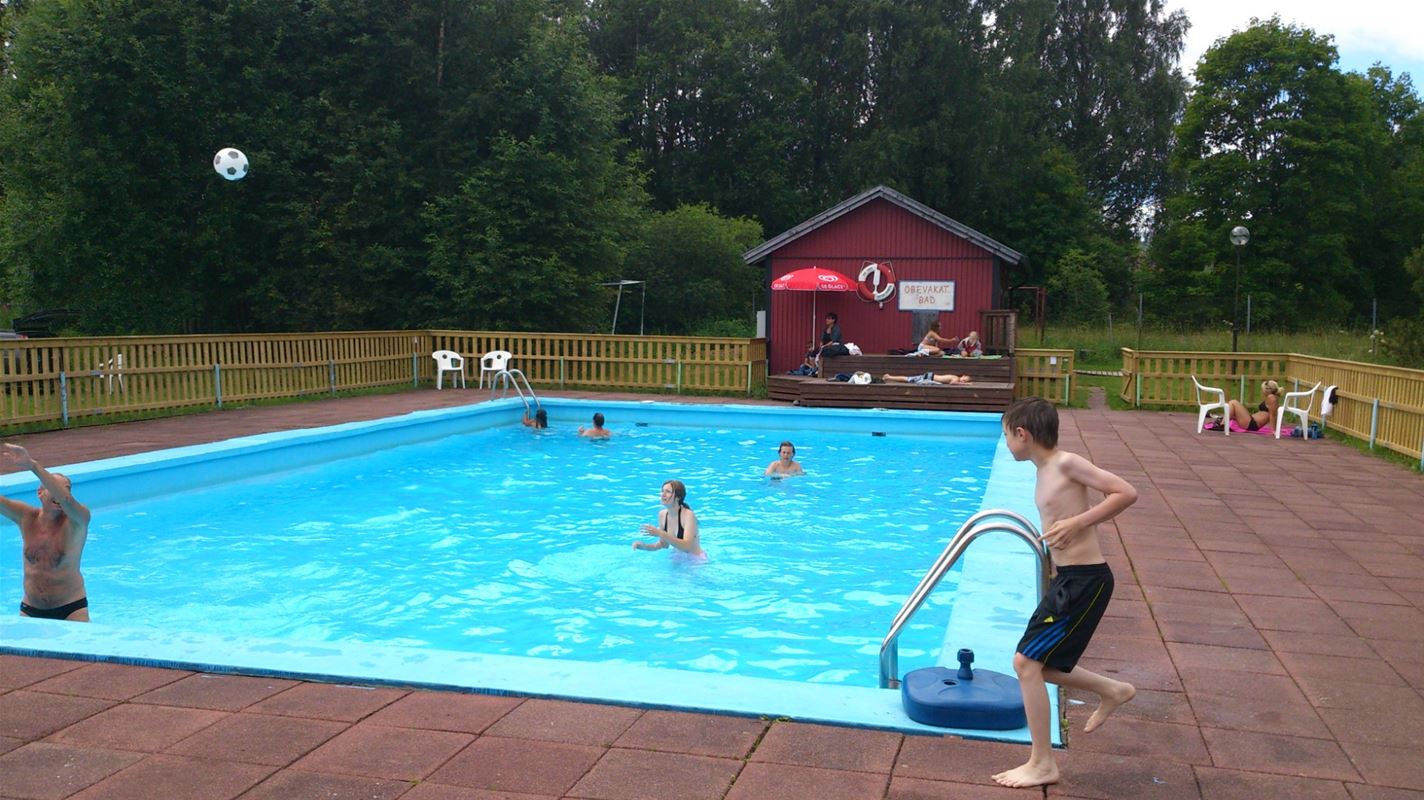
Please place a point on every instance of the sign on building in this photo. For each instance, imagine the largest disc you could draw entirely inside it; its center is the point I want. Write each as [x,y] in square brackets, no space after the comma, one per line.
[926,295]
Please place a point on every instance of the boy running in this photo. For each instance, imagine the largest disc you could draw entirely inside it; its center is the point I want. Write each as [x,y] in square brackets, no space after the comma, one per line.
[1065,620]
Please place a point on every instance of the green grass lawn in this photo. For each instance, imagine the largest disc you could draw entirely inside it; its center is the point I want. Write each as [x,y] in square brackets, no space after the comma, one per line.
[1099,349]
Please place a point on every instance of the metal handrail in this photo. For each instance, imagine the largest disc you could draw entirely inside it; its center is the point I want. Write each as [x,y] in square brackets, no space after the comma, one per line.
[512,377]
[972,529]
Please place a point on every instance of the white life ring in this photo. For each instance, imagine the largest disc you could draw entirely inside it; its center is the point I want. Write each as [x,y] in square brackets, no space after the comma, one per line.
[876,283]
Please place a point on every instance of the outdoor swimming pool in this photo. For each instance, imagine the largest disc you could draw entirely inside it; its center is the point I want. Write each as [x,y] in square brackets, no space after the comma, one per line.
[460,532]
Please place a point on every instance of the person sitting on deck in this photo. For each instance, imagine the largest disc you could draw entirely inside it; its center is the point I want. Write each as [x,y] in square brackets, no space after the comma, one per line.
[928,378]
[970,346]
[1264,416]
[933,344]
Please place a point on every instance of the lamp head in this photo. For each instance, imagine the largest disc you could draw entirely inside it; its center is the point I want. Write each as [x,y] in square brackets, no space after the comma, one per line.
[1240,236]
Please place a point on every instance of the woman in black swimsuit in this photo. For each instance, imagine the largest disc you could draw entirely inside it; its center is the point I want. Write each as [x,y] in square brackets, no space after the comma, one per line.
[677,524]
[1264,416]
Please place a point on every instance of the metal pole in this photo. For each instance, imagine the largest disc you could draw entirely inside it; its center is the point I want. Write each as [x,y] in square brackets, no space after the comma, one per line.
[64,399]
[217,382]
[616,303]
[643,311]
[1236,302]
[1139,320]
[1374,422]
[414,372]
[1248,313]
[331,375]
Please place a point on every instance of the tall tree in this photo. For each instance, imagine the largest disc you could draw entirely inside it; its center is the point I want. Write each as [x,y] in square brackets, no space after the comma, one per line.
[1276,137]
[1114,92]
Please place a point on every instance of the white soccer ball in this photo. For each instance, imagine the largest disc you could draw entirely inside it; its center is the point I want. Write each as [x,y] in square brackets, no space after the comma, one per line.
[230,163]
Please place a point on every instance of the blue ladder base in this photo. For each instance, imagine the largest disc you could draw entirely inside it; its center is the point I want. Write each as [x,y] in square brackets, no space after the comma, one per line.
[936,696]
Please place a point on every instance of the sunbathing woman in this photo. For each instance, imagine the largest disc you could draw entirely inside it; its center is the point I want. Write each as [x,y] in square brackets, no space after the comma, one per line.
[1265,414]
[928,377]
[933,344]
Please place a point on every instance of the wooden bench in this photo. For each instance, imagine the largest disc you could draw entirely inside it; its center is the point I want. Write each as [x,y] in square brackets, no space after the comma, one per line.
[987,396]
[1000,370]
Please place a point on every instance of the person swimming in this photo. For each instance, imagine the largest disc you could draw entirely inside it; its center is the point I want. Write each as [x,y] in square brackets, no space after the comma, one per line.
[677,524]
[785,464]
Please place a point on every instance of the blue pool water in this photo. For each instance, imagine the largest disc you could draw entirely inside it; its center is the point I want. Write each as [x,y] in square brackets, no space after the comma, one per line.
[515,542]
[458,549]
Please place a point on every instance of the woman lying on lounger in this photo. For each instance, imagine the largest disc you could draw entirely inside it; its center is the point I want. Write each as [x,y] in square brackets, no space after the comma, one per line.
[928,377]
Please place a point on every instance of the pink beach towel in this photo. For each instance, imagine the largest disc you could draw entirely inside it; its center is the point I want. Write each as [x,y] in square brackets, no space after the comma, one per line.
[1236,428]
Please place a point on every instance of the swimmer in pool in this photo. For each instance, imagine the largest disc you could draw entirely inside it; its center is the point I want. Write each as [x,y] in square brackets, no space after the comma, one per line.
[597,431]
[677,524]
[53,537]
[786,463]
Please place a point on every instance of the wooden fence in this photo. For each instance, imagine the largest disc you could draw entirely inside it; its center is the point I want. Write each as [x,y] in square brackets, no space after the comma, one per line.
[576,361]
[1382,405]
[58,380]
[1044,373]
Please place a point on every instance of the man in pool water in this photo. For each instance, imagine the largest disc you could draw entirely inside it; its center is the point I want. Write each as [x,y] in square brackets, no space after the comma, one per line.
[785,463]
[53,536]
[677,525]
[597,431]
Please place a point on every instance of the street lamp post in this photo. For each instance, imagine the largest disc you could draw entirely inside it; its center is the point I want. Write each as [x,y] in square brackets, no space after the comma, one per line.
[1239,237]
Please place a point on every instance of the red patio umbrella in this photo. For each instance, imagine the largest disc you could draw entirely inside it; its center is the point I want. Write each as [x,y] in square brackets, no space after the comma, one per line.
[813,280]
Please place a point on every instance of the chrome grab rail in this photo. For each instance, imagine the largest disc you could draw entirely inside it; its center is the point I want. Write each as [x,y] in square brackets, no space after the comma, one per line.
[512,377]
[972,529]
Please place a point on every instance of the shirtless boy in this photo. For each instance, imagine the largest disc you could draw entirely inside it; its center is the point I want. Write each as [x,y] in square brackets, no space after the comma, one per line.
[1065,620]
[53,536]
[785,463]
[597,431]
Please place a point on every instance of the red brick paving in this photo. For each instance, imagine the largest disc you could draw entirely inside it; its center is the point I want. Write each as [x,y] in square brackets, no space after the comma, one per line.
[1270,610]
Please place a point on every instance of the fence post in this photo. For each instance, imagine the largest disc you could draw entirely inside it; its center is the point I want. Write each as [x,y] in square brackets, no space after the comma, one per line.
[331,374]
[414,372]
[63,399]
[1374,422]
[217,382]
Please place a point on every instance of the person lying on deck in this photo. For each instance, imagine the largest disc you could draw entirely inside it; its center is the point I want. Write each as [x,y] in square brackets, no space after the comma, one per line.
[927,378]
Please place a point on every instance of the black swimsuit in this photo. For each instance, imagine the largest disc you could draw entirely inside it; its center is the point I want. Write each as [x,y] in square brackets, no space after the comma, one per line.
[1256,426]
[680,507]
[59,612]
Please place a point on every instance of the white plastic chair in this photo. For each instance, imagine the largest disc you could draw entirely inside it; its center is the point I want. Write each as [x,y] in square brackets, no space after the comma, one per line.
[448,361]
[493,363]
[1210,404]
[1291,404]
[114,370]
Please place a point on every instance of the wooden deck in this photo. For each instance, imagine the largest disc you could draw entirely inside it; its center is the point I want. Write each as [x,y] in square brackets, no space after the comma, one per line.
[999,370]
[991,391]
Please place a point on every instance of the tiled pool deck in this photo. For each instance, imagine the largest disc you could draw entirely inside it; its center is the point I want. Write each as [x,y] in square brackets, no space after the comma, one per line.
[1270,610]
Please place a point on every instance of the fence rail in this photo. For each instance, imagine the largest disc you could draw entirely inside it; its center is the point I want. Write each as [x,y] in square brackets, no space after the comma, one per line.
[1381,405]
[1044,373]
[59,380]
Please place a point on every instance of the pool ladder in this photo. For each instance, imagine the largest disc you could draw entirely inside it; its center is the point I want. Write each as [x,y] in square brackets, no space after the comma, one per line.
[512,377]
[988,521]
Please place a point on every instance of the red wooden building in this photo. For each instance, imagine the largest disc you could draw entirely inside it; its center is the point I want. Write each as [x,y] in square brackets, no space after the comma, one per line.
[941,269]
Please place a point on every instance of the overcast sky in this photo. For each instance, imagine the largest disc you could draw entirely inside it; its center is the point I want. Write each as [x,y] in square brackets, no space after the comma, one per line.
[1365,31]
